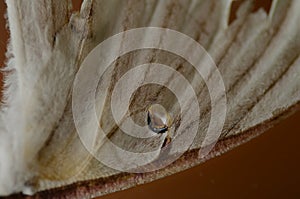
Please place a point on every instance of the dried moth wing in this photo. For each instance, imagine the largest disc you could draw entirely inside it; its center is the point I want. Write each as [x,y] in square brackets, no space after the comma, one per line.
[257,56]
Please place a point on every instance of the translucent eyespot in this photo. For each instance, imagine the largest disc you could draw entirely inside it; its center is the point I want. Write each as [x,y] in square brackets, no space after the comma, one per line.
[158,119]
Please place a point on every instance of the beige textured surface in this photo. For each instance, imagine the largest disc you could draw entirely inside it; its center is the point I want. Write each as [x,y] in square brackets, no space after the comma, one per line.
[248,52]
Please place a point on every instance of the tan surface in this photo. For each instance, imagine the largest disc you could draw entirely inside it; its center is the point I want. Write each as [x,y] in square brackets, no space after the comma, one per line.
[267,167]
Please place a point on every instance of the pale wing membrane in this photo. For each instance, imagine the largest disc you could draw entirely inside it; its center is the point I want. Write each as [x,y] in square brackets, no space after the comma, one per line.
[257,56]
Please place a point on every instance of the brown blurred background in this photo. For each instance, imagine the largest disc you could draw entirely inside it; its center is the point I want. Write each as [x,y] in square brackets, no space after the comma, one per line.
[266,167]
